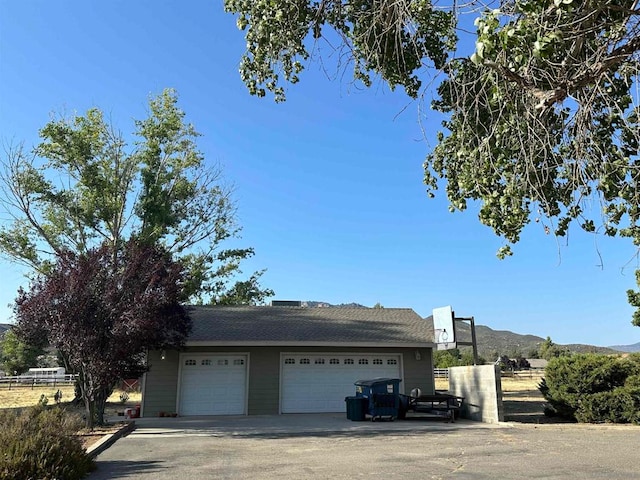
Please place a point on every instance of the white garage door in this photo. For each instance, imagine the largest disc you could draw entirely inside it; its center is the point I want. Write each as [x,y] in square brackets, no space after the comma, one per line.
[213,384]
[314,383]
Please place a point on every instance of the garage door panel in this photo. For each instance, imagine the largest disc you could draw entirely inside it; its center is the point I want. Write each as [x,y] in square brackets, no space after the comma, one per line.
[213,385]
[319,383]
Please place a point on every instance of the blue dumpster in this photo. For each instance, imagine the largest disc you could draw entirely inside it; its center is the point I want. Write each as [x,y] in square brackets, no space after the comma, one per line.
[383,396]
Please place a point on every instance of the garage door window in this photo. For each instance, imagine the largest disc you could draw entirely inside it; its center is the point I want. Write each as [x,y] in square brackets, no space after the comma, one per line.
[392,361]
[377,361]
[304,361]
[334,361]
[206,361]
[238,361]
[348,361]
[319,361]
[190,362]
[289,361]
[363,361]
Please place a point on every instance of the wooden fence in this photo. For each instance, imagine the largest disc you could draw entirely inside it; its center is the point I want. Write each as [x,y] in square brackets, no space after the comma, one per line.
[531,373]
[441,372]
[24,381]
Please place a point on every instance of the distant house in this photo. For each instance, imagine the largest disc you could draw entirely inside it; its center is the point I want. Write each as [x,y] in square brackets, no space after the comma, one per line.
[537,363]
[243,360]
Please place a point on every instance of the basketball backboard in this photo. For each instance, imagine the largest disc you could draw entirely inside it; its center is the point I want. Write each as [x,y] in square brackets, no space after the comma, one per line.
[444,329]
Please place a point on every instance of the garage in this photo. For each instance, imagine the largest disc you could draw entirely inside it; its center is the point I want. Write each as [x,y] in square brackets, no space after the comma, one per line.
[213,384]
[317,383]
[267,360]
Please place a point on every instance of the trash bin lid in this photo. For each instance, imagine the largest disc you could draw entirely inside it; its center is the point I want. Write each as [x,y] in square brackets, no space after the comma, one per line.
[375,381]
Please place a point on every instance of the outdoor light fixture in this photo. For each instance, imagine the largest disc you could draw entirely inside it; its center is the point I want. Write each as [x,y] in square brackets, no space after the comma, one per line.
[163,354]
[417,354]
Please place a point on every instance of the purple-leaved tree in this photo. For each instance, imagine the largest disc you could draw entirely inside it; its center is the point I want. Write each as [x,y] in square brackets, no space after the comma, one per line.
[102,310]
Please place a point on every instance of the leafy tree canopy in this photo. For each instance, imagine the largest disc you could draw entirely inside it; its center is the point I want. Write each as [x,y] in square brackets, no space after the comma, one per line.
[454,358]
[83,186]
[387,38]
[102,309]
[549,350]
[542,122]
[16,357]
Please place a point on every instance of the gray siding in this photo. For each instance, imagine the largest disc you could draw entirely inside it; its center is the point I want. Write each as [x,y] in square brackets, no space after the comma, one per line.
[264,381]
[161,383]
[418,373]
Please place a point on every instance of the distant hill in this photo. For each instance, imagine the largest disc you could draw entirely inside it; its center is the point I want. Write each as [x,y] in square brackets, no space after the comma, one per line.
[507,343]
[4,327]
[504,342]
[314,304]
[627,348]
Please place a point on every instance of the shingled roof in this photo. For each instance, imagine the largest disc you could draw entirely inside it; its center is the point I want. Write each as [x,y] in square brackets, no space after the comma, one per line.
[253,326]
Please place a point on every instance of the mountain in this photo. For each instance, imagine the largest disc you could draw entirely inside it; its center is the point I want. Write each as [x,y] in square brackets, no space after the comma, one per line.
[314,304]
[503,342]
[627,348]
[4,327]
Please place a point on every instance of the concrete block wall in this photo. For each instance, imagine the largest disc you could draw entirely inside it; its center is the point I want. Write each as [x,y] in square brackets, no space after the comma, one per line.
[482,391]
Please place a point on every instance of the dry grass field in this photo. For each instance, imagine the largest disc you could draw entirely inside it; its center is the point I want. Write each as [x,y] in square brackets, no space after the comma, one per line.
[509,384]
[521,399]
[25,396]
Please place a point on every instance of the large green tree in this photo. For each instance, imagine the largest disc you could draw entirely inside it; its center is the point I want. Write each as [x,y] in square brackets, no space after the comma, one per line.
[85,185]
[542,122]
[16,356]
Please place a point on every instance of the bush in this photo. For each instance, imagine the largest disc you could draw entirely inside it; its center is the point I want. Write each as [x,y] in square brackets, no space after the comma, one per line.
[593,388]
[618,406]
[41,443]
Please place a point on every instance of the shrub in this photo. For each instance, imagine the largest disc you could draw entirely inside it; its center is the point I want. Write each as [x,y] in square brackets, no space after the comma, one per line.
[593,388]
[41,443]
[618,406]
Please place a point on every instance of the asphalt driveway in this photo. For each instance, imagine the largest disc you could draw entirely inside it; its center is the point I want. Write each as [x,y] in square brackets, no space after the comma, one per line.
[330,446]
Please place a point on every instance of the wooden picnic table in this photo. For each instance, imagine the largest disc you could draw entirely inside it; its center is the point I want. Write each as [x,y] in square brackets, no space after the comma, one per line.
[443,404]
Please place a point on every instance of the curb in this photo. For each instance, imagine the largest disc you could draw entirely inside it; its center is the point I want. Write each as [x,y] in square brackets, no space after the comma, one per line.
[108,440]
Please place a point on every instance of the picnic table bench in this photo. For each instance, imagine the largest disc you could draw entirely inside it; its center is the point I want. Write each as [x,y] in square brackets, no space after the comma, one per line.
[443,404]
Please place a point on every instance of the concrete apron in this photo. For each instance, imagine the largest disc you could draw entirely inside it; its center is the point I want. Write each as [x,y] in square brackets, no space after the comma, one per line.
[319,424]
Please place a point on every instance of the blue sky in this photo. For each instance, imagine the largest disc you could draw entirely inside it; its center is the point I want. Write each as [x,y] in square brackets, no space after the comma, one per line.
[328,185]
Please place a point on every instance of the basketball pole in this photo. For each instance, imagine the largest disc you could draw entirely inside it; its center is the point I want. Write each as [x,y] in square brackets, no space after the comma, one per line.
[473,343]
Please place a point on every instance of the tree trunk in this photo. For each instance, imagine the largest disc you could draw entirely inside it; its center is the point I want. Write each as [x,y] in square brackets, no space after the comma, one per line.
[101,403]
[99,410]
[87,391]
[89,412]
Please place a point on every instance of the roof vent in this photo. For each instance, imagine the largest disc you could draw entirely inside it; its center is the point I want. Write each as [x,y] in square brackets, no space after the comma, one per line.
[286,303]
